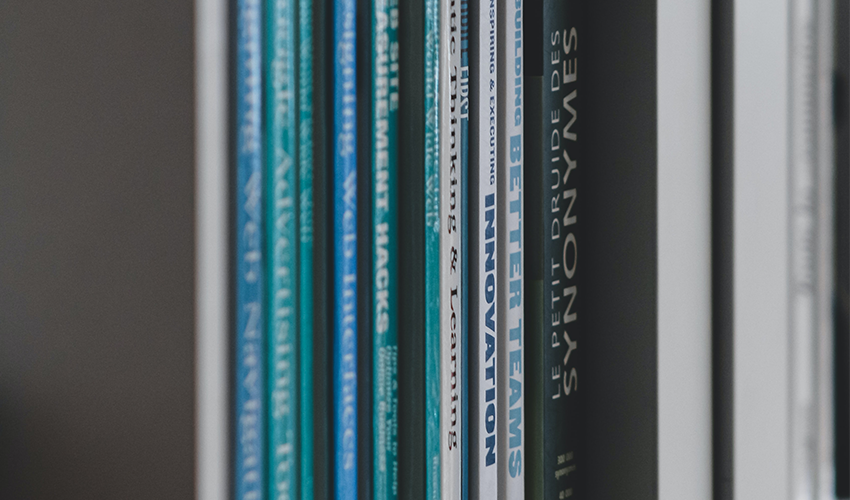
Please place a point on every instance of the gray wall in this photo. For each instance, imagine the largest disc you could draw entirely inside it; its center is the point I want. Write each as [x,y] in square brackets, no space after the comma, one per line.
[96,249]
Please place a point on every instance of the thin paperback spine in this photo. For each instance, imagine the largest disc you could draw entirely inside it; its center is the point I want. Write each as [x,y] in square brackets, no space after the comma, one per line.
[304,70]
[345,251]
[510,263]
[281,248]
[451,314]
[385,85]
[412,469]
[249,398]
[484,454]
[432,249]
[464,243]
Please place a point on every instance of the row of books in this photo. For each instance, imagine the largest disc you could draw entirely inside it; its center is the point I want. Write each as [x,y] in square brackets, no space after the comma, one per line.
[405,249]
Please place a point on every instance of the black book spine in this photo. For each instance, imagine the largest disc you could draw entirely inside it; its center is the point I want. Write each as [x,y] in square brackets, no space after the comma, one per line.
[322,263]
[411,262]
[842,250]
[552,174]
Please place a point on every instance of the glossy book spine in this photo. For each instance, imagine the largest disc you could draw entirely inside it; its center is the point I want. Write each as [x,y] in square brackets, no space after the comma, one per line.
[249,353]
[345,251]
[281,247]
[304,70]
[510,261]
[384,91]
[484,339]
[432,249]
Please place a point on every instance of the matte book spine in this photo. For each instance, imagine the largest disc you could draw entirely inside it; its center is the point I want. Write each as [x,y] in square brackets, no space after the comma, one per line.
[385,87]
[412,468]
[553,180]
[464,243]
[345,251]
[483,453]
[322,250]
[432,249]
[249,349]
[304,70]
[451,314]
[510,263]
[281,139]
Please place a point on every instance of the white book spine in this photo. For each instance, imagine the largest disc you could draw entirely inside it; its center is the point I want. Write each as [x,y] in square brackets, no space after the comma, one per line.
[511,417]
[485,484]
[450,253]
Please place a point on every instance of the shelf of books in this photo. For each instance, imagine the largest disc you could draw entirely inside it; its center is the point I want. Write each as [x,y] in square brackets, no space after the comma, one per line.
[425,250]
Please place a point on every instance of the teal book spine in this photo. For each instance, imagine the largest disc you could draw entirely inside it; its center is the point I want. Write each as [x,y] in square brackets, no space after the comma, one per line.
[281,246]
[304,71]
[432,249]
[385,83]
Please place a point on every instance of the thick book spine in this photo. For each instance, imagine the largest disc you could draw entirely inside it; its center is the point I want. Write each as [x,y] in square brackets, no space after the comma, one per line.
[510,262]
[281,136]
[384,91]
[432,249]
[345,251]
[463,82]
[249,442]
[483,453]
[552,178]
[451,315]
[304,70]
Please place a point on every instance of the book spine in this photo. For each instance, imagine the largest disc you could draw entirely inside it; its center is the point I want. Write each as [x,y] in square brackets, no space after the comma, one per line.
[322,207]
[451,315]
[464,243]
[412,457]
[510,262]
[249,398]
[345,251]
[281,247]
[432,249]
[385,85]
[560,189]
[485,455]
[304,70]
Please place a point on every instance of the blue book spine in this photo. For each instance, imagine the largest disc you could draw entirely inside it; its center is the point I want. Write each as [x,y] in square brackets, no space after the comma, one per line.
[464,169]
[249,384]
[345,250]
[305,254]
[385,80]
[432,249]
[281,247]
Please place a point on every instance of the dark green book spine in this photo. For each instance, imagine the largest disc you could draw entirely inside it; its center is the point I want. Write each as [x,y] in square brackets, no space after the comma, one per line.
[411,259]
[322,270]
[552,290]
